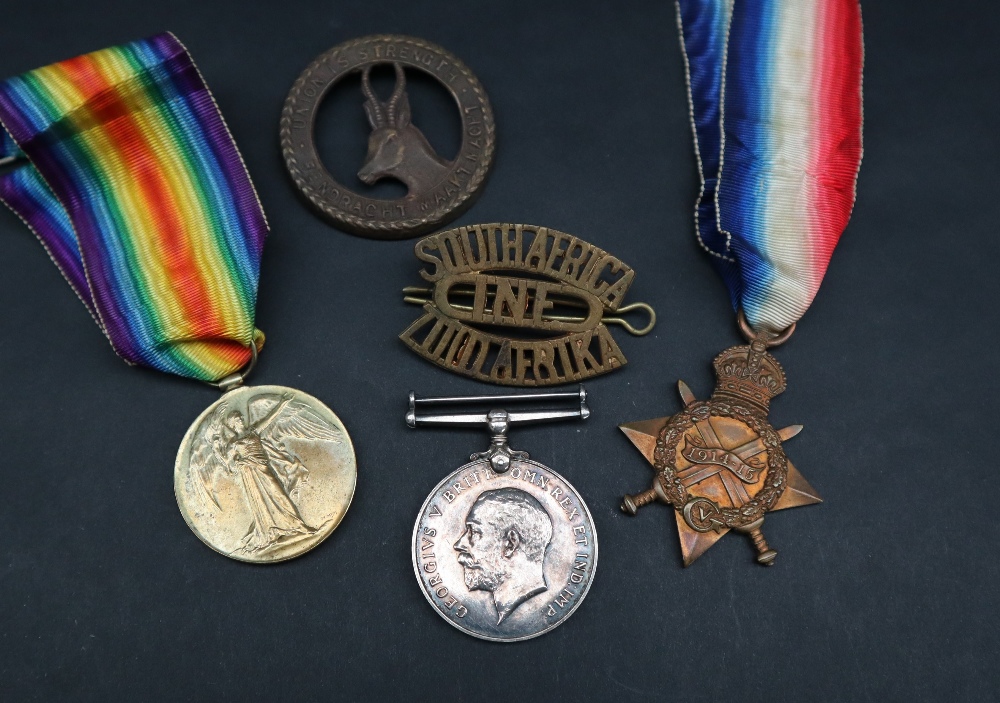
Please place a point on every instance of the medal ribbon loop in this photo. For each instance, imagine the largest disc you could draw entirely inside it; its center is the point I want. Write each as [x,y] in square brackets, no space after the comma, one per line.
[133,184]
[775,96]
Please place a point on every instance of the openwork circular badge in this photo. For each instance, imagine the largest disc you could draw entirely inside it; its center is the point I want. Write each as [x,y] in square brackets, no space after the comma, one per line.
[520,305]
[438,190]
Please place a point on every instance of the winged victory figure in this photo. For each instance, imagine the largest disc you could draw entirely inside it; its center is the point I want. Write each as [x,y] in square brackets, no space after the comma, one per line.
[251,450]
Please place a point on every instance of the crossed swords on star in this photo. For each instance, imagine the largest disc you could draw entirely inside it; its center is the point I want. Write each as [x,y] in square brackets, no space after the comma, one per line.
[700,472]
[695,540]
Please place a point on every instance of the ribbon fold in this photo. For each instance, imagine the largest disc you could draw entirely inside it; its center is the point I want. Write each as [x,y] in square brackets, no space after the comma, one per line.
[131,180]
[775,97]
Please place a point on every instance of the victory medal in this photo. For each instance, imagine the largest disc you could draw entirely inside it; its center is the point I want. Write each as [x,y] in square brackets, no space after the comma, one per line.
[123,167]
[265,474]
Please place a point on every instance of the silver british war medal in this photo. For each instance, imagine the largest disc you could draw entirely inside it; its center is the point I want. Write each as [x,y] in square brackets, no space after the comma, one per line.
[504,548]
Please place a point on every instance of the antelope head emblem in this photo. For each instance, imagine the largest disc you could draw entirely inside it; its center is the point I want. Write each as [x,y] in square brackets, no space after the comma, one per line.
[396,148]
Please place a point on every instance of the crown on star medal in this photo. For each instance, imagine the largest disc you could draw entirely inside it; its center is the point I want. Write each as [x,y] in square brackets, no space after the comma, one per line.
[748,378]
[748,373]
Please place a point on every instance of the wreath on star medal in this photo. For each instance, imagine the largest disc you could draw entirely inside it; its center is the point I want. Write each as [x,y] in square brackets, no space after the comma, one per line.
[677,427]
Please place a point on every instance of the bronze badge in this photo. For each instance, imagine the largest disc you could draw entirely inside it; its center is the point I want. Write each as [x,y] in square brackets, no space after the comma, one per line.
[719,462]
[559,284]
[438,190]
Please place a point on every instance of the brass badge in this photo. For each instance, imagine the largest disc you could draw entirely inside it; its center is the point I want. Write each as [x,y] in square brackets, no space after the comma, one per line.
[438,190]
[492,279]
[719,462]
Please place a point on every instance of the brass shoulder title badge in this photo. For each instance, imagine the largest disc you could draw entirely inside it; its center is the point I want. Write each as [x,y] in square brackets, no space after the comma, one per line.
[719,463]
[490,280]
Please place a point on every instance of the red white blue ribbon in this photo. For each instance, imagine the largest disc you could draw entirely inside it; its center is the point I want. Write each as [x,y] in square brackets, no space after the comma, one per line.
[775,97]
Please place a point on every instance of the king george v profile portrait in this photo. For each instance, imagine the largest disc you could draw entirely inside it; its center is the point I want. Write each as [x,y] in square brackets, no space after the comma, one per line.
[502,549]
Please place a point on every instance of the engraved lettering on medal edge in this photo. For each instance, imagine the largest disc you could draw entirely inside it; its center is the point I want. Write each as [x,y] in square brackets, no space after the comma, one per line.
[247,445]
[502,548]
[592,276]
[709,458]
[438,189]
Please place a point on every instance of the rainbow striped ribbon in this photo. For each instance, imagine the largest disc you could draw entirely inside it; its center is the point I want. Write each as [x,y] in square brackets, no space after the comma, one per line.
[775,96]
[133,184]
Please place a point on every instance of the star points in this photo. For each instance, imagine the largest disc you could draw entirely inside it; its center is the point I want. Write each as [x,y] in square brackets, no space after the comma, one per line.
[722,464]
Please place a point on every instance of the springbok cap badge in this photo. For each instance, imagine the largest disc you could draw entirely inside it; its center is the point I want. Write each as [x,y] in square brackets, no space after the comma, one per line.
[438,188]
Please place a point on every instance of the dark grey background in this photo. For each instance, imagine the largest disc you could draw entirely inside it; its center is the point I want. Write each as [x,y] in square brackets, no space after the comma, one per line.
[887,592]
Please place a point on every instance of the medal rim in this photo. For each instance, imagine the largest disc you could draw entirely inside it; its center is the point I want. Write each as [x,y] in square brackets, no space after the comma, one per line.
[185,447]
[427,595]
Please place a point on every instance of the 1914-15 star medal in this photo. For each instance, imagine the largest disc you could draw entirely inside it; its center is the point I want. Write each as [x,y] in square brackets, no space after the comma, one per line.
[719,463]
